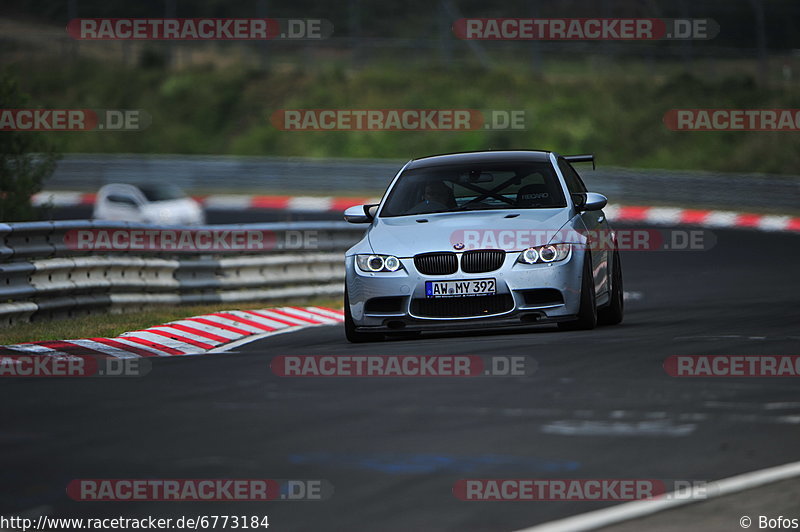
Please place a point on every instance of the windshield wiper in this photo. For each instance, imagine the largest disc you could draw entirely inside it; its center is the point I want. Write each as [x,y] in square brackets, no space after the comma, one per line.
[475,207]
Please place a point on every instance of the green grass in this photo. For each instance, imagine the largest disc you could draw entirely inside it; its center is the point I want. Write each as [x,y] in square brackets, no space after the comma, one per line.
[112,325]
[226,110]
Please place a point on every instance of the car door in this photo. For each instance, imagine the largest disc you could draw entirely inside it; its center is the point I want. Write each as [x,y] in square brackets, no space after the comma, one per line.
[595,222]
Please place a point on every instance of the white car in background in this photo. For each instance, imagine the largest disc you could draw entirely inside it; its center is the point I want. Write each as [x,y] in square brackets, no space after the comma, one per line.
[153,204]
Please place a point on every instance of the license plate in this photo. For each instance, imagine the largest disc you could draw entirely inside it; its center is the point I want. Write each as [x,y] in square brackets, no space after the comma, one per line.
[472,287]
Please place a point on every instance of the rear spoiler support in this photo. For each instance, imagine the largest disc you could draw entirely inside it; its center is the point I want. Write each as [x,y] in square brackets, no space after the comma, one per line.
[581,159]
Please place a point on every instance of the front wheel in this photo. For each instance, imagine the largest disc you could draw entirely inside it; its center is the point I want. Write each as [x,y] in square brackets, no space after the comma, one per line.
[350,332]
[587,313]
[613,313]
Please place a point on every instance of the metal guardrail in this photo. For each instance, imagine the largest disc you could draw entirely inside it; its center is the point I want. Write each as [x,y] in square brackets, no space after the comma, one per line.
[42,276]
[371,176]
[90,172]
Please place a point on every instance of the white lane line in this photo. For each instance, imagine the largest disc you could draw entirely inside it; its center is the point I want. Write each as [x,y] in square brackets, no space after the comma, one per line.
[618,428]
[731,405]
[632,296]
[781,406]
[636,509]
[640,420]
[719,337]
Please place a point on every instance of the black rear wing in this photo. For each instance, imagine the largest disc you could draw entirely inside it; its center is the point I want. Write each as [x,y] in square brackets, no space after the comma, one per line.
[581,159]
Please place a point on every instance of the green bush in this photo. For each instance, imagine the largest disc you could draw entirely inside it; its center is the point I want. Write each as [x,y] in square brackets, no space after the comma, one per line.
[26,159]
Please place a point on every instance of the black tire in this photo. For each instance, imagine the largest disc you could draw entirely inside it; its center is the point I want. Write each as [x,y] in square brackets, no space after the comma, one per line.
[587,313]
[350,332]
[614,312]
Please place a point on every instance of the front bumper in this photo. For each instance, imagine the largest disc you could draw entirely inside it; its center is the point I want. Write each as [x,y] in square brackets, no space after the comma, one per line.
[526,294]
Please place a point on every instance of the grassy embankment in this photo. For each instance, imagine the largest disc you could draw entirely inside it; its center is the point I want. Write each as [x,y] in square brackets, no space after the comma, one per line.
[226,110]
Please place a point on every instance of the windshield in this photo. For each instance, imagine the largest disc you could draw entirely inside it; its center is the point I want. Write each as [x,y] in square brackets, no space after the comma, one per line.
[528,185]
[161,192]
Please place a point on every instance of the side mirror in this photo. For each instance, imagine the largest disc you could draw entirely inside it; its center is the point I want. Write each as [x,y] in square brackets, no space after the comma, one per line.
[360,214]
[591,201]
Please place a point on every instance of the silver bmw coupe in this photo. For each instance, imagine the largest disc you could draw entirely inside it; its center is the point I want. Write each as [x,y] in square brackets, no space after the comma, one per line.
[482,240]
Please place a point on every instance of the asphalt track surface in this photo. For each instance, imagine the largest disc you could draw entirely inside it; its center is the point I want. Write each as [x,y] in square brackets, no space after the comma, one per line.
[599,406]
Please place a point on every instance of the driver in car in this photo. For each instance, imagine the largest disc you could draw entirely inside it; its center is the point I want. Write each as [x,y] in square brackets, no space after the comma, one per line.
[437,197]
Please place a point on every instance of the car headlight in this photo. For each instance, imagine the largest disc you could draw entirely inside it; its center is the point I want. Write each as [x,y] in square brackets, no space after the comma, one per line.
[544,254]
[378,263]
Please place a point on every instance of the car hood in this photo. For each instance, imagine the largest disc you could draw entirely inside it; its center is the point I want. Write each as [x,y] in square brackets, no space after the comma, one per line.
[405,236]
